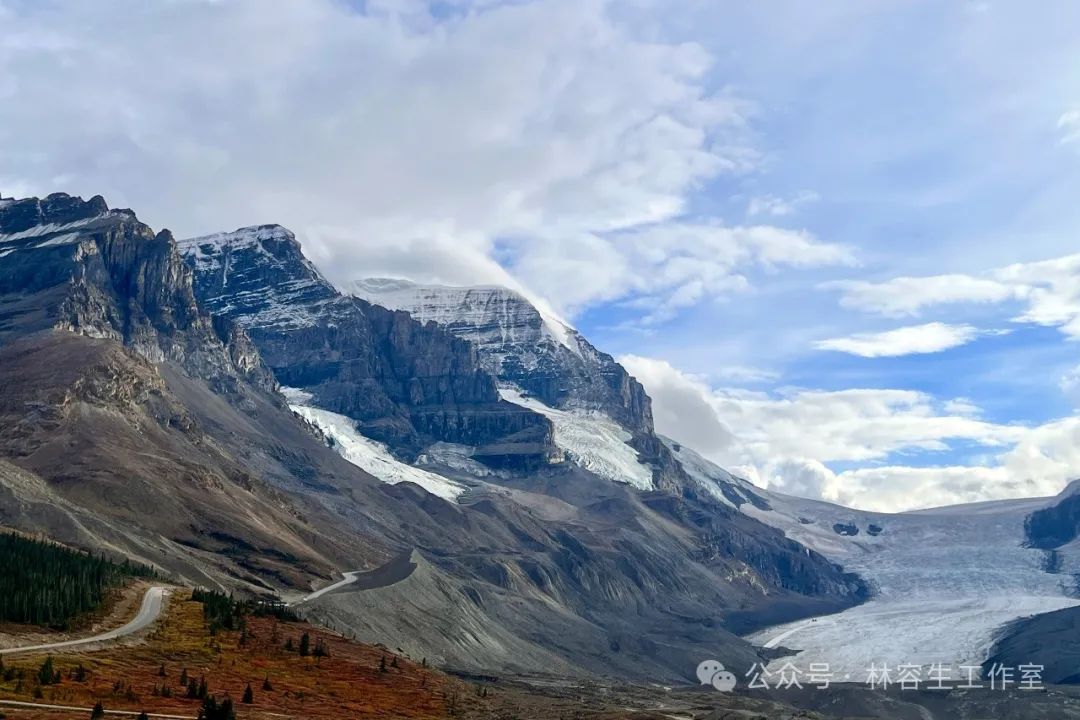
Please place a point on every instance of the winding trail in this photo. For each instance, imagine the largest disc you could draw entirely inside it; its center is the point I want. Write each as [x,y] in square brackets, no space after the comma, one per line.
[149,611]
[392,572]
[348,579]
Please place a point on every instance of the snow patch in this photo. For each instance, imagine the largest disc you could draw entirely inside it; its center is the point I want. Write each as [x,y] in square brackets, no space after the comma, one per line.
[592,440]
[287,304]
[710,477]
[246,237]
[368,455]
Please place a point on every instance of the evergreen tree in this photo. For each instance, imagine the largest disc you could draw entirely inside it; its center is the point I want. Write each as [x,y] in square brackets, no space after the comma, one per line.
[249,696]
[161,670]
[393,662]
[143,716]
[46,673]
[98,713]
[305,645]
[382,664]
[266,686]
[183,677]
[213,710]
[47,584]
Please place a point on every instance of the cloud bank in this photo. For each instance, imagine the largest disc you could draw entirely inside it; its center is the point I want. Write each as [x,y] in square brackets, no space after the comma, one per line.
[787,441]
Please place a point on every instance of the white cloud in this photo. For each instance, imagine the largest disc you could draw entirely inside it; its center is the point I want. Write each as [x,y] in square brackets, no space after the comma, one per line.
[778,206]
[1069,125]
[786,440]
[1070,385]
[911,340]
[685,408]
[399,141]
[908,296]
[1047,290]
[674,265]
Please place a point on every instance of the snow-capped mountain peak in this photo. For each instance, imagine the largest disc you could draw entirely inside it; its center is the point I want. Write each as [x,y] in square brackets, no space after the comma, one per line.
[522,344]
[488,315]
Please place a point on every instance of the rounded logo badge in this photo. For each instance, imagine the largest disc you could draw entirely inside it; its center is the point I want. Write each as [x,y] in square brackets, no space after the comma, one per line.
[712,672]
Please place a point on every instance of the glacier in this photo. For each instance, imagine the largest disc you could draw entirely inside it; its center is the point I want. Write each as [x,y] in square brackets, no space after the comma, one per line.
[371,456]
[593,441]
[946,580]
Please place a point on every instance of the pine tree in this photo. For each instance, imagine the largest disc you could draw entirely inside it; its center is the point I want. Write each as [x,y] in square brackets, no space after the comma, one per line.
[289,647]
[98,713]
[266,686]
[46,673]
[382,664]
[183,677]
[213,710]
[305,645]
[393,662]
[143,716]
[161,670]
[47,584]
[249,696]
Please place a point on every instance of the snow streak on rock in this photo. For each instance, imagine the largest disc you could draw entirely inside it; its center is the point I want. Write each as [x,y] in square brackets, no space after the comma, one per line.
[592,440]
[368,455]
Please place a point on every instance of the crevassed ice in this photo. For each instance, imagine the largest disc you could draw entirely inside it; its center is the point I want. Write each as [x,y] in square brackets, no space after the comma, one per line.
[593,440]
[947,580]
[367,454]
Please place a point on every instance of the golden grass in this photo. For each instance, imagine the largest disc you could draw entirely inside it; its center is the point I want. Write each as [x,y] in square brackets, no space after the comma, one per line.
[347,684]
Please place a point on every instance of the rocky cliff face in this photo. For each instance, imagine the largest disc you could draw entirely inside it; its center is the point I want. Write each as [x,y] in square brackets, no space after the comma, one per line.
[406,383]
[76,265]
[536,352]
[1056,524]
[523,345]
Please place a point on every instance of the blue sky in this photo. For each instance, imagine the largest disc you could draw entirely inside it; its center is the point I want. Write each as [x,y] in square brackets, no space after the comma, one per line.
[742,200]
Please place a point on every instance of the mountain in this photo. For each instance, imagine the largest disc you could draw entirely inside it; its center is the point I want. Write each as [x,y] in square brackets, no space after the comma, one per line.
[407,384]
[523,345]
[591,543]
[108,366]
[538,357]
[79,266]
[224,414]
